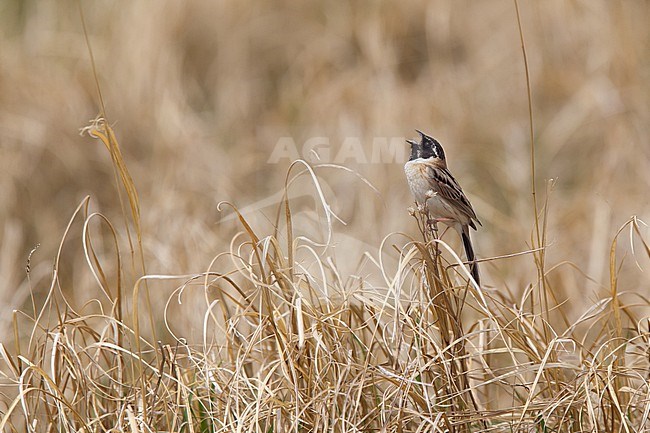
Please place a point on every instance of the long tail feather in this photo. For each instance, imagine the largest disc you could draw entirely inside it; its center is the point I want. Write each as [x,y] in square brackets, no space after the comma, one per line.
[469,252]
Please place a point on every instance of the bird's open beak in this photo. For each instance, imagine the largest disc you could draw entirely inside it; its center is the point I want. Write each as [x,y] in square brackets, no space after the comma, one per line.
[412,142]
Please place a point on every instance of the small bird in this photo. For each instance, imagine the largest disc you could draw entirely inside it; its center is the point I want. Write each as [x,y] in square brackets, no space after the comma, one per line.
[436,191]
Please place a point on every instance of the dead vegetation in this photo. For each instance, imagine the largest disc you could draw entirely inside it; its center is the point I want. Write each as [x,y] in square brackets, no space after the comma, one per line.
[287,328]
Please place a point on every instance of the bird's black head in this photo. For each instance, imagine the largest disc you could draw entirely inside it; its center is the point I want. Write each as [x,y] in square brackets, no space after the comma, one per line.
[428,147]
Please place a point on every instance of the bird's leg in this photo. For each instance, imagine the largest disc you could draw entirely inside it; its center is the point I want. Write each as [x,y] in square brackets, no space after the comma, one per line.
[432,223]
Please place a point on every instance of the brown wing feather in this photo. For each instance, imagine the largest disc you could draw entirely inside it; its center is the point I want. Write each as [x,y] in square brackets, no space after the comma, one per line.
[444,184]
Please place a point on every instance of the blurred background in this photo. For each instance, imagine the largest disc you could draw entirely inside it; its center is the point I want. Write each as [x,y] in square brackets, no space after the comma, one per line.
[201,94]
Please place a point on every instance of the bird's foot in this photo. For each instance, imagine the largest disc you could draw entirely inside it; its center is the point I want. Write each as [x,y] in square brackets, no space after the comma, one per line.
[432,223]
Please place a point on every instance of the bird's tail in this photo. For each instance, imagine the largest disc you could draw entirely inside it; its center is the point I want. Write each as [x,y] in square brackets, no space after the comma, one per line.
[471,258]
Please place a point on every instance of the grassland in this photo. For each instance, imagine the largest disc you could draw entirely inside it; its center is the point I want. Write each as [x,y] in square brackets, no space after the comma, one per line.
[186,280]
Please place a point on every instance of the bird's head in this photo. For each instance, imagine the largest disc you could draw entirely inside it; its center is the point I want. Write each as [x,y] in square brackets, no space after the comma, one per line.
[427,148]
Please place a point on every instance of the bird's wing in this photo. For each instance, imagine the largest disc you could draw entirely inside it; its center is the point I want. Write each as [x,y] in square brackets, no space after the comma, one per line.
[444,184]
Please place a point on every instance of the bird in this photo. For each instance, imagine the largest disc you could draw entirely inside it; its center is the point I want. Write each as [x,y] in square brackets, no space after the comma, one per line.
[437,192]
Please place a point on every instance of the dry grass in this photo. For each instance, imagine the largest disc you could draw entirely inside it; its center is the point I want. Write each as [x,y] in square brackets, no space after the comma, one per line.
[287,345]
[279,317]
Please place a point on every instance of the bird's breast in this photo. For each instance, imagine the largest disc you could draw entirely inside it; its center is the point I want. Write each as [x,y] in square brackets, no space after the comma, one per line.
[418,179]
